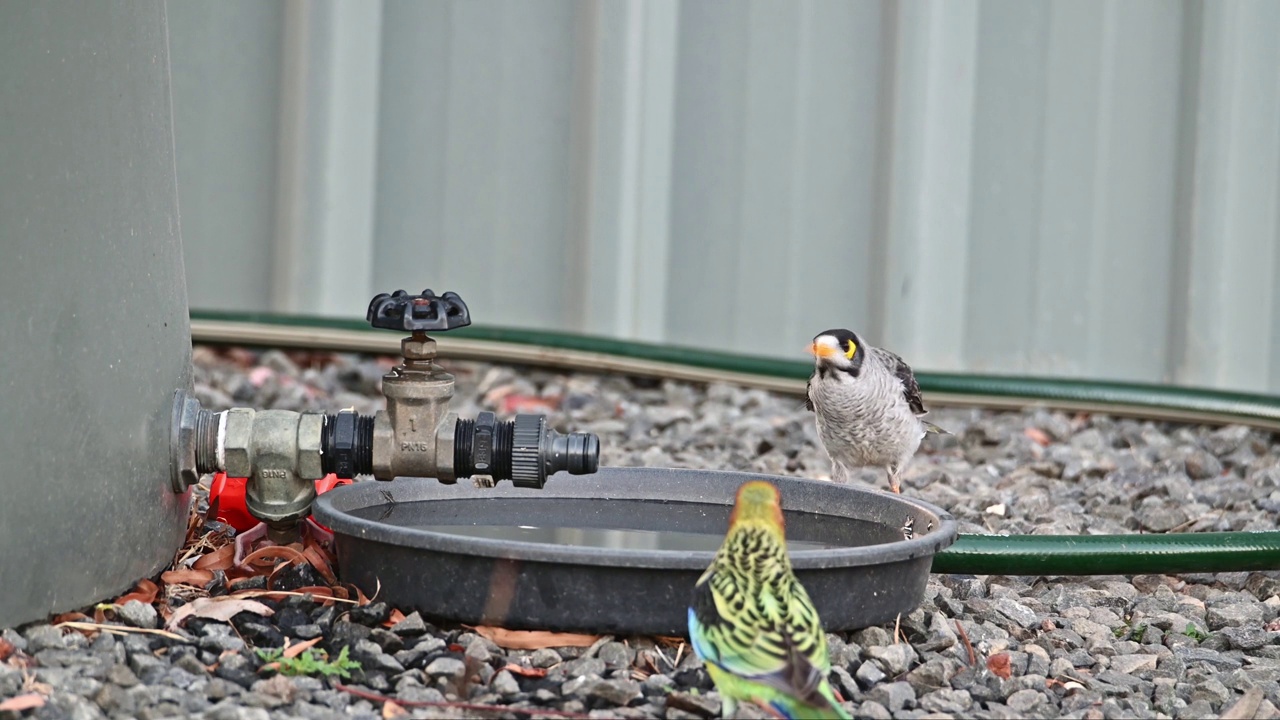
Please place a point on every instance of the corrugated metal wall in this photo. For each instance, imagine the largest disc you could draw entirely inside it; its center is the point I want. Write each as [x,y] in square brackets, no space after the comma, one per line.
[1068,188]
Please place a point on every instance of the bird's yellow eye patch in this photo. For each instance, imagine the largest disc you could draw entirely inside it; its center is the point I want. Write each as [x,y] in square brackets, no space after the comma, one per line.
[853,348]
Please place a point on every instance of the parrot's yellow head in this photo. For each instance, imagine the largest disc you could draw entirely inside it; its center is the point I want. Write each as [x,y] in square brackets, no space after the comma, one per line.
[758,503]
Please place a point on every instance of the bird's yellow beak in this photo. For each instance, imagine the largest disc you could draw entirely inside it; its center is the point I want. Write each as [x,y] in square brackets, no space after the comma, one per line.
[823,352]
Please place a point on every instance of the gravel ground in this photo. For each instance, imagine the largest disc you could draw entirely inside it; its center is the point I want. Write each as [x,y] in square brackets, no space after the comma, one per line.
[1097,647]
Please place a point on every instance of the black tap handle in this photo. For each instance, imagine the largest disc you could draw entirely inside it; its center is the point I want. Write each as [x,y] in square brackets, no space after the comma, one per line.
[428,311]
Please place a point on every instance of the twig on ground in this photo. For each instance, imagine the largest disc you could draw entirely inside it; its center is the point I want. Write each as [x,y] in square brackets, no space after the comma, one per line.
[973,658]
[119,629]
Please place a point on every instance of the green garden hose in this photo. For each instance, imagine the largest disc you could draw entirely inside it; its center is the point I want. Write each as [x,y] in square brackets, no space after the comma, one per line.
[1110,554]
[972,554]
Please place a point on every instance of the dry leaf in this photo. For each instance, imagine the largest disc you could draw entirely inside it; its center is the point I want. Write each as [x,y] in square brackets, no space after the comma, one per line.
[525,671]
[395,617]
[315,556]
[1038,436]
[295,650]
[219,608]
[221,559]
[268,557]
[533,639]
[19,703]
[187,576]
[391,710]
[145,593]
[6,649]
[999,665]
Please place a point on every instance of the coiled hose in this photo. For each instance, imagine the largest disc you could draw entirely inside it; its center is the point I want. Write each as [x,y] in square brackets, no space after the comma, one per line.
[971,554]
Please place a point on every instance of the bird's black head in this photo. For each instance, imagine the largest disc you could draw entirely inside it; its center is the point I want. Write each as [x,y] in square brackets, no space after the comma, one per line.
[837,350]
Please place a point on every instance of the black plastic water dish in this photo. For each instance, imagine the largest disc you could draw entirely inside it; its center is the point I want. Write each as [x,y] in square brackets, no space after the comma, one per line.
[851,553]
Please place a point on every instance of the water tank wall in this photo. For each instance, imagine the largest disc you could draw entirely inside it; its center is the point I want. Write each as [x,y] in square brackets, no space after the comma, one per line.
[94,323]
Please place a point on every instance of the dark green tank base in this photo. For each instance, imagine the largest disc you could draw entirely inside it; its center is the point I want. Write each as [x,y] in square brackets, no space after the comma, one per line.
[619,551]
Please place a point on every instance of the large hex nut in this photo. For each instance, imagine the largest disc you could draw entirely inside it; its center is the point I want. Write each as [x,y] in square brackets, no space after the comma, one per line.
[310,432]
[418,349]
[237,443]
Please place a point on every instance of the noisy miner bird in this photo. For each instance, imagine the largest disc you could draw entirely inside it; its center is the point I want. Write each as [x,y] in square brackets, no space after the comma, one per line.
[752,623]
[867,404]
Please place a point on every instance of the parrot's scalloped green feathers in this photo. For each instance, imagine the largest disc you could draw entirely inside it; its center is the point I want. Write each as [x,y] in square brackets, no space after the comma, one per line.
[752,623]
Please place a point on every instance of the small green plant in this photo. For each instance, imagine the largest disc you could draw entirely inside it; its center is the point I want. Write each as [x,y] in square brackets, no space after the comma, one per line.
[1194,633]
[310,662]
[1135,632]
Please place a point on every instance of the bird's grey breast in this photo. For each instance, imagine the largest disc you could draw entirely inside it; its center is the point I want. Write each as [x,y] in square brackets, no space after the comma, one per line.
[864,420]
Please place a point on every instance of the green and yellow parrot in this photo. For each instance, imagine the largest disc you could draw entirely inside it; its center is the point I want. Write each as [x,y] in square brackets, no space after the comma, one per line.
[752,623]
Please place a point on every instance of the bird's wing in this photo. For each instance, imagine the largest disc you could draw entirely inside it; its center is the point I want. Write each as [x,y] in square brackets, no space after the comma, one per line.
[750,644]
[910,388]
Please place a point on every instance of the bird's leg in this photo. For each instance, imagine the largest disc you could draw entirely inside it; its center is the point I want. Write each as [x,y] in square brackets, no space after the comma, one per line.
[839,473]
[893,480]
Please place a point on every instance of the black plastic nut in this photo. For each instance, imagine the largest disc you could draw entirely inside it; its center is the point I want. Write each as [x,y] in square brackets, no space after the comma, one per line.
[347,444]
[524,451]
[418,313]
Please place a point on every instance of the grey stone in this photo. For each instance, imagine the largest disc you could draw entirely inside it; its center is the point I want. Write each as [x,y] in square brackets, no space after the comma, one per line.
[578,684]
[701,706]
[1213,691]
[1017,612]
[1213,658]
[306,631]
[544,658]
[1130,664]
[843,683]
[138,614]
[614,655]
[232,712]
[140,664]
[657,684]
[504,683]
[421,694]
[429,645]
[894,659]
[869,673]
[1200,465]
[411,625]
[1024,701]
[952,702]
[44,637]
[446,667]
[1234,615]
[874,711]
[1248,637]
[616,692]
[930,675]
[872,636]
[894,696]
[1161,518]
[221,643]
[10,680]
[191,664]
[114,700]
[478,651]
[583,666]
[942,634]
[219,689]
